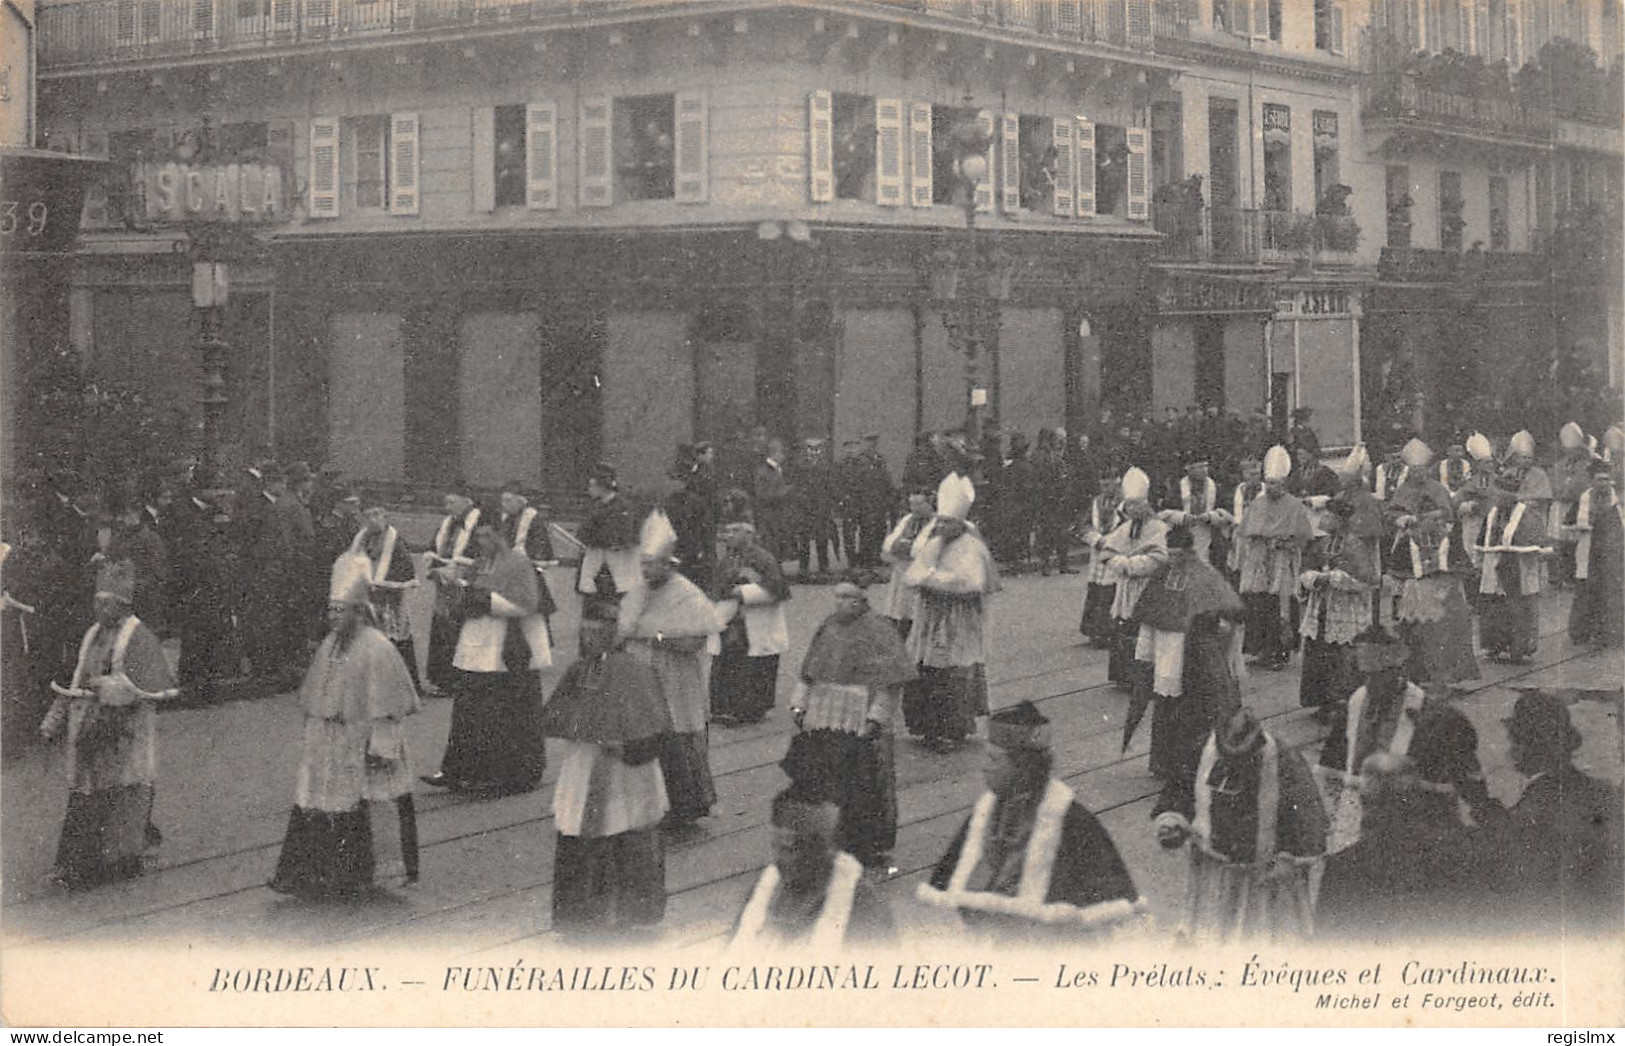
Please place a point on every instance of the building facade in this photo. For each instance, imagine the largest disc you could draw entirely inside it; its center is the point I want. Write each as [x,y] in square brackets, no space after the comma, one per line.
[468,241]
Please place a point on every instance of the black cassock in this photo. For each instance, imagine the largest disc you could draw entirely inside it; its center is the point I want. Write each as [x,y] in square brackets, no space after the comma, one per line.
[538,548]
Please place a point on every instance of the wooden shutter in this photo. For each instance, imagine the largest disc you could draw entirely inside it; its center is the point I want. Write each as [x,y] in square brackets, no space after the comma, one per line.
[1061,138]
[1068,21]
[1481,30]
[318,14]
[402,14]
[1261,19]
[1139,23]
[920,158]
[821,146]
[592,148]
[403,163]
[1339,16]
[1514,33]
[888,152]
[542,156]
[203,19]
[485,159]
[324,167]
[984,191]
[1139,173]
[693,147]
[1010,173]
[1084,176]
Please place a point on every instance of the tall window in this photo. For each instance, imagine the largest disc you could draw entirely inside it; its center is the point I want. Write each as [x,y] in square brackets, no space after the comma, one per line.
[1277,158]
[369,153]
[1111,170]
[1451,221]
[1167,141]
[646,147]
[853,147]
[946,184]
[1500,230]
[508,160]
[1328,172]
[1038,161]
[1397,192]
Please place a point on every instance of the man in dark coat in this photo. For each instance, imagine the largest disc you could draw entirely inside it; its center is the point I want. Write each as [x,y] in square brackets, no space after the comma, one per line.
[1026,824]
[204,581]
[692,509]
[872,501]
[1417,871]
[813,478]
[772,496]
[1561,841]
[135,538]
[1052,504]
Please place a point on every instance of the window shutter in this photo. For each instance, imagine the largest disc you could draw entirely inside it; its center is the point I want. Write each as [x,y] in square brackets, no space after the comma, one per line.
[1514,33]
[888,152]
[593,150]
[693,145]
[1481,29]
[1085,176]
[1061,138]
[1261,19]
[821,146]
[402,14]
[984,191]
[542,156]
[1139,23]
[1338,16]
[1068,21]
[1241,22]
[324,167]
[485,160]
[1139,173]
[403,163]
[202,19]
[318,14]
[920,158]
[1011,172]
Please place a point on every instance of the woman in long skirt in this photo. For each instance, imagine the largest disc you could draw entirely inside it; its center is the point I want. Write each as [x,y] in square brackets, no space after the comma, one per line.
[109,714]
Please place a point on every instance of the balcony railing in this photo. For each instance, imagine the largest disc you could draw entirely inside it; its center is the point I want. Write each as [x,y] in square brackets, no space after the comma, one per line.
[76,32]
[1208,234]
[1419,265]
[1229,234]
[1120,23]
[1399,95]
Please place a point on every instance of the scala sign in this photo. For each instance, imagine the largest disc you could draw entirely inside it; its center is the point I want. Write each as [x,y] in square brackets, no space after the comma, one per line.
[235,192]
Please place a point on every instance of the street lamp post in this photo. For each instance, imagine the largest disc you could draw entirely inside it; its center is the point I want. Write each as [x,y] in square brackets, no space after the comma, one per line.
[968,315]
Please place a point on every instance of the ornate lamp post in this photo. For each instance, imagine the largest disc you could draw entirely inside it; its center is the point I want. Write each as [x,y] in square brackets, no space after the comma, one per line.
[970,303]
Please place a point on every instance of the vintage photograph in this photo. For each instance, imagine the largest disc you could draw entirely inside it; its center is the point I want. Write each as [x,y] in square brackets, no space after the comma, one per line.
[812,512]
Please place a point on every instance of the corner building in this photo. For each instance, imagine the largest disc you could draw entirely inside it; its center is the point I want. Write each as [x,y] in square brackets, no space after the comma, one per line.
[476,241]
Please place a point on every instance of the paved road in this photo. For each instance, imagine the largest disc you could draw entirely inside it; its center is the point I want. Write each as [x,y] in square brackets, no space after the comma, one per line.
[227,773]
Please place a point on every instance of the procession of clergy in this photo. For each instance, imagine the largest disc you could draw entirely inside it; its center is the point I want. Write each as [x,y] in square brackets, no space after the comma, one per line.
[1376,577]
